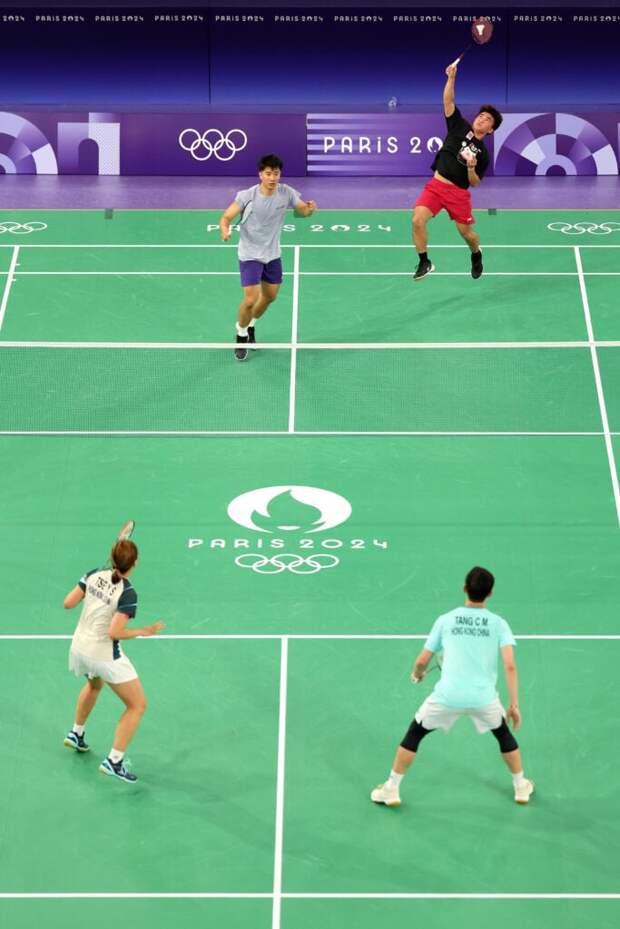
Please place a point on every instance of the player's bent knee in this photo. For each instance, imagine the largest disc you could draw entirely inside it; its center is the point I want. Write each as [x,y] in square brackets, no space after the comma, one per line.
[505,738]
[414,735]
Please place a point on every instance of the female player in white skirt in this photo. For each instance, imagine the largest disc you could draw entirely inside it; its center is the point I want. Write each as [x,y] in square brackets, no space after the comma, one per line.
[109,603]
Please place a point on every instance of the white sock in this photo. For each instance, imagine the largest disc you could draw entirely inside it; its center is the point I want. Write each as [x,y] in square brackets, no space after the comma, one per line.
[242,330]
[517,779]
[253,323]
[79,730]
[394,779]
[115,756]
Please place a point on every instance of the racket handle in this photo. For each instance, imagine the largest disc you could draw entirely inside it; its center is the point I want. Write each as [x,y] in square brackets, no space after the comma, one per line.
[460,58]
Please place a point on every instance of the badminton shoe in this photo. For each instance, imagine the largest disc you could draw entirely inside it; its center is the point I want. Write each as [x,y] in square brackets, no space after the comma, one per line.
[241,352]
[117,770]
[76,742]
[476,264]
[424,267]
[524,791]
[252,337]
[386,793]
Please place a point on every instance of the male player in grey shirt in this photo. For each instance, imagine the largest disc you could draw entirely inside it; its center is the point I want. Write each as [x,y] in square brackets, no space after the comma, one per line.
[262,208]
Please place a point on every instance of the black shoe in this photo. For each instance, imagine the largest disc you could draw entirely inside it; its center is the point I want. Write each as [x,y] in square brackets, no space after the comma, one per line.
[252,337]
[476,264]
[424,267]
[241,353]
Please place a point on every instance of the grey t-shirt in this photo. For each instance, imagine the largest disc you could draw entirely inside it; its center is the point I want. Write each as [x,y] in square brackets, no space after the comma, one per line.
[261,221]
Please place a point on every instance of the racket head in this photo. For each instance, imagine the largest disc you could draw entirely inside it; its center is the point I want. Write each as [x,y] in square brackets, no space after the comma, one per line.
[126,530]
[481,30]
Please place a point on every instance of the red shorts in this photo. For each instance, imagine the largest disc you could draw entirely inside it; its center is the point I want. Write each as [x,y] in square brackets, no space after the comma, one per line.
[438,196]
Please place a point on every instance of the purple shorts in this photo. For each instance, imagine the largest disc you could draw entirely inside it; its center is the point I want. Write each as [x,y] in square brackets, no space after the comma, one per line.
[253,272]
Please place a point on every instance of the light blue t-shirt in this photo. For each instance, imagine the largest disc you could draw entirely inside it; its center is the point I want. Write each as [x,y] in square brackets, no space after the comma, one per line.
[261,221]
[470,638]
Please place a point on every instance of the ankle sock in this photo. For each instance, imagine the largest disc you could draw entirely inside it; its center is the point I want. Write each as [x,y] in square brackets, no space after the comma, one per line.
[79,730]
[394,779]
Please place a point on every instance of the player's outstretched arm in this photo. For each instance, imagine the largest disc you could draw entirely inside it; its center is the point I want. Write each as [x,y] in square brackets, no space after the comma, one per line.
[448,91]
[73,597]
[305,208]
[420,665]
[226,219]
[513,714]
[118,628]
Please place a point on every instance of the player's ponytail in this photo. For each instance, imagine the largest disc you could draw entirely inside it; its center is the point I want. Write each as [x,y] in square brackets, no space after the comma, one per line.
[124,555]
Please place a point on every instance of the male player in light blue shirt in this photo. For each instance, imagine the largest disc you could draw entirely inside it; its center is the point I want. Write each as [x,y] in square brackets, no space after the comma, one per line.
[470,638]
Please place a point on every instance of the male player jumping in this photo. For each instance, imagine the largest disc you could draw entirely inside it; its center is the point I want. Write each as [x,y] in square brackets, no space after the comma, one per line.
[470,637]
[460,163]
[262,208]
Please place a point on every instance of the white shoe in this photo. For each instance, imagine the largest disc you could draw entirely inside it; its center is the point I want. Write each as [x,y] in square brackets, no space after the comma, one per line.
[387,794]
[524,792]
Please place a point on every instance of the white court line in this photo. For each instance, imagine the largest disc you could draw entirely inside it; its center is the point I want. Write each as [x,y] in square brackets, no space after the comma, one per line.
[309,896]
[599,385]
[135,896]
[311,273]
[311,346]
[451,896]
[279,830]
[8,283]
[179,433]
[300,636]
[294,321]
[299,245]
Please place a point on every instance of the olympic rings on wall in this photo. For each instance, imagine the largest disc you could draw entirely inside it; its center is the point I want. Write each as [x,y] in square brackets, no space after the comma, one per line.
[202,146]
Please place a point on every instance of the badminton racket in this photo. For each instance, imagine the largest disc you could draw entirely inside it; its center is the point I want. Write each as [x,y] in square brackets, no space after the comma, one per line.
[481,32]
[126,530]
[435,664]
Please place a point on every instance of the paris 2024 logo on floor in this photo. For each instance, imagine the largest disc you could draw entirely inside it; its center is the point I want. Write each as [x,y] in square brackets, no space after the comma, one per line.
[289,530]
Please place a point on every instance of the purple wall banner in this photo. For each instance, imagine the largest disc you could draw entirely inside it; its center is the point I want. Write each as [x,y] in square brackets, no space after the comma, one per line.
[149,143]
[59,143]
[207,144]
[321,144]
[557,143]
[370,144]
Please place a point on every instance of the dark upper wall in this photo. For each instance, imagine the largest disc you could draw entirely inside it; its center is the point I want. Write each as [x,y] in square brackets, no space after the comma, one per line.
[405,4]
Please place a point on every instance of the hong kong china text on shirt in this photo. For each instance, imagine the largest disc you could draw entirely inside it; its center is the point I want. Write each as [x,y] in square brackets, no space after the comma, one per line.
[471,625]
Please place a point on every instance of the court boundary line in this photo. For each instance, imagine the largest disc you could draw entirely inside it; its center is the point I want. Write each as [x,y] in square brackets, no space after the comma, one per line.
[292,245]
[293,345]
[313,346]
[611,460]
[280,781]
[306,273]
[42,895]
[283,433]
[10,277]
[301,636]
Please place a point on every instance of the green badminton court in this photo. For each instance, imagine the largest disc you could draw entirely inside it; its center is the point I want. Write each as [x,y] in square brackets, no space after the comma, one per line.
[302,519]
